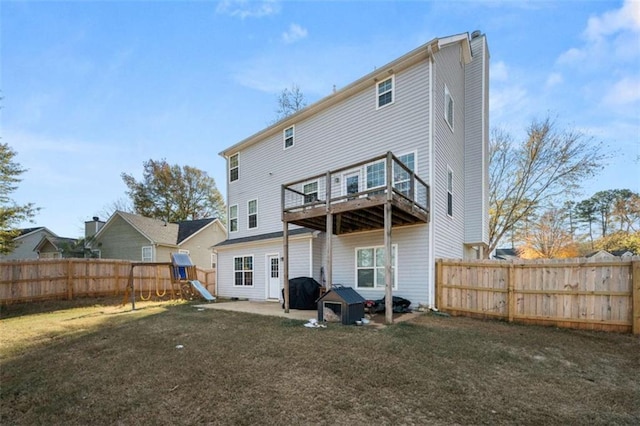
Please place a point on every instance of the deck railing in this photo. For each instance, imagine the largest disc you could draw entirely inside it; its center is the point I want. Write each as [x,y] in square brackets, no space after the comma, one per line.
[364,179]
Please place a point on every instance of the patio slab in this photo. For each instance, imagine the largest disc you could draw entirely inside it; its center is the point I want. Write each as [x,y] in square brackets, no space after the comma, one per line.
[261,308]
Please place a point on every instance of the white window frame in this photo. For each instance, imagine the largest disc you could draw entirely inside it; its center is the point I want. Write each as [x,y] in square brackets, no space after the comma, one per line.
[449,192]
[244,271]
[249,213]
[396,182]
[286,138]
[384,174]
[149,257]
[391,90]
[232,218]
[307,194]
[449,113]
[377,286]
[236,167]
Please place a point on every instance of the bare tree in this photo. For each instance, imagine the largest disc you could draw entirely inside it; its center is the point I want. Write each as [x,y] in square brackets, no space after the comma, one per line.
[549,236]
[548,165]
[290,101]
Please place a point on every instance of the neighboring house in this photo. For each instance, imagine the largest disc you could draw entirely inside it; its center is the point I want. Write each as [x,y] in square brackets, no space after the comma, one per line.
[326,167]
[51,247]
[133,237]
[26,243]
[614,254]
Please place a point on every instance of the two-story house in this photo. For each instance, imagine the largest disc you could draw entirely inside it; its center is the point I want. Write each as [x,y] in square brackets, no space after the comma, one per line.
[397,159]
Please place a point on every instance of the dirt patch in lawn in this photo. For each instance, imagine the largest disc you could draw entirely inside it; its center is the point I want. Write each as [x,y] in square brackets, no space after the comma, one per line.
[170,363]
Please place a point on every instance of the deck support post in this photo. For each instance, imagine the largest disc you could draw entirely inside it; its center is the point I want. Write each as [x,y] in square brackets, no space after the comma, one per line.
[388,255]
[329,234]
[285,253]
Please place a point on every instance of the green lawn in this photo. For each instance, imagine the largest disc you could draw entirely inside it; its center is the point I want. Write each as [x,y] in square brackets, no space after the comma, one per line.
[103,364]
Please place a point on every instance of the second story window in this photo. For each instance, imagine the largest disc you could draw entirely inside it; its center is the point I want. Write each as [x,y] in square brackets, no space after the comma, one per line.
[252,214]
[233,218]
[449,192]
[448,107]
[234,163]
[310,192]
[385,92]
[288,135]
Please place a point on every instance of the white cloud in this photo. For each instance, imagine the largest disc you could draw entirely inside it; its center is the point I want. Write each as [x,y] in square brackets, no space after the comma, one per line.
[499,71]
[554,79]
[625,18]
[610,36]
[295,33]
[248,8]
[626,91]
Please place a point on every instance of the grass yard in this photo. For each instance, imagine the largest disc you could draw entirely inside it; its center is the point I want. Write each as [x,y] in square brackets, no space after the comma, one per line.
[103,364]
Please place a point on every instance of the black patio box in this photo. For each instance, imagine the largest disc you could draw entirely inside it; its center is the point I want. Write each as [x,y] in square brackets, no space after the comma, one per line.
[343,302]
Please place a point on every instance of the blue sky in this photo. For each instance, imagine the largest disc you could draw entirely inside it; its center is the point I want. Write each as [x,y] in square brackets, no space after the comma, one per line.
[93,89]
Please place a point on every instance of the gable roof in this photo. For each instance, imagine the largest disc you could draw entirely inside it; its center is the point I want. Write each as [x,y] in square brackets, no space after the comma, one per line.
[159,231]
[347,294]
[56,242]
[28,231]
[421,53]
[188,228]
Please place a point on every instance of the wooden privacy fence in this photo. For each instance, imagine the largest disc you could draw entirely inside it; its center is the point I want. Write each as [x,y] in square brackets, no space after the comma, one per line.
[30,280]
[570,293]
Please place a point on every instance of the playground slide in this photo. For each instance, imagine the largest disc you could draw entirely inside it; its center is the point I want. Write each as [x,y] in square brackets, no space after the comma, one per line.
[197,285]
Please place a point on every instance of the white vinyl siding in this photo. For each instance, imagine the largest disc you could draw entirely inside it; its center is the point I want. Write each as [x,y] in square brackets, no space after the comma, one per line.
[385,92]
[351,131]
[234,167]
[252,214]
[243,271]
[233,218]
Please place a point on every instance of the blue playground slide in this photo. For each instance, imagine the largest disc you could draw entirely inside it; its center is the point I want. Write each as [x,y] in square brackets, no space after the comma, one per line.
[202,290]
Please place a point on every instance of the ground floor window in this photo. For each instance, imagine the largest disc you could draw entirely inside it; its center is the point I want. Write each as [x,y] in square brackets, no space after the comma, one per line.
[147,254]
[370,267]
[243,270]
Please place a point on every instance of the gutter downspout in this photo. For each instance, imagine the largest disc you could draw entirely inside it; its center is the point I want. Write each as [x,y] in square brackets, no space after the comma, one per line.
[431,257]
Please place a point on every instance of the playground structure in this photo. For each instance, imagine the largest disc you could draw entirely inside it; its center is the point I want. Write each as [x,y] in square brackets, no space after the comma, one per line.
[184,280]
[183,274]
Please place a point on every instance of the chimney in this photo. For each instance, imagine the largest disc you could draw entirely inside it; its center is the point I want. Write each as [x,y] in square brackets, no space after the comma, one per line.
[92,227]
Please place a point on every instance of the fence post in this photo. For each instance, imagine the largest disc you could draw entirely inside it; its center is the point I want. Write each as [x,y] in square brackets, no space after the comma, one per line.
[635,292]
[511,301]
[69,280]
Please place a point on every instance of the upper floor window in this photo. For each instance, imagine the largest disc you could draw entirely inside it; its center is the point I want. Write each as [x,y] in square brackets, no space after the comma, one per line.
[233,218]
[310,192]
[385,92]
[449,191]
[234,162]
[448,107]
[252,214]
[402,178]
[147,253]
[288,135]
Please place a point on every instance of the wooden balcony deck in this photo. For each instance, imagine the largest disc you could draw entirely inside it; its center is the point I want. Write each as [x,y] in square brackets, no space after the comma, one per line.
[344,196]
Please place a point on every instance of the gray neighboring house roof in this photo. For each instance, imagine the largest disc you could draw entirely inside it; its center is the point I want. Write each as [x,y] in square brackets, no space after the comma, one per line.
[159,231]
[506,254]
[270,235]
[57,242]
